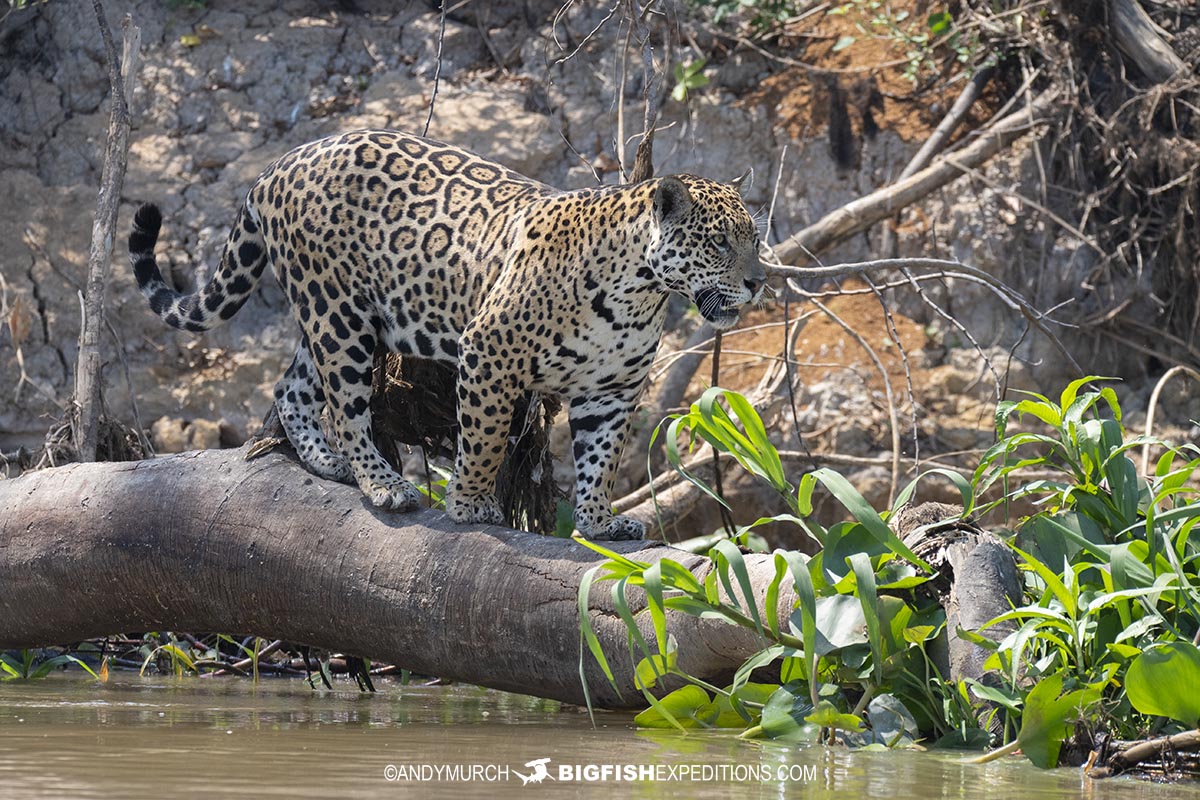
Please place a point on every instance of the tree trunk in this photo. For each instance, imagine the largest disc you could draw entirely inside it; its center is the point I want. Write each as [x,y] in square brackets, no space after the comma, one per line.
[206,541]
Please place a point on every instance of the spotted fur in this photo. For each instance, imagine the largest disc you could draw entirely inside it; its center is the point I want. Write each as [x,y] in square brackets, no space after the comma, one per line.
[382,239]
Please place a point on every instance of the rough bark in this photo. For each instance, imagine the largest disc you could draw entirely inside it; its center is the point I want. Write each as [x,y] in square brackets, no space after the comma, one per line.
[206,541]
[1138,37]
[977,581]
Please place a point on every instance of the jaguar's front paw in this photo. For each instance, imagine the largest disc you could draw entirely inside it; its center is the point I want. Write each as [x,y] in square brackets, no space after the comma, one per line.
[483,509]
[394,495]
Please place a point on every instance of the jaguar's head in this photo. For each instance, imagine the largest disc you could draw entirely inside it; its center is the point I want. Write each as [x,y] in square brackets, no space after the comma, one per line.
[708,245]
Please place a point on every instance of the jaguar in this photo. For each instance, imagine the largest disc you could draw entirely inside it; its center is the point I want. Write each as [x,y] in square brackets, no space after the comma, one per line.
[382,239]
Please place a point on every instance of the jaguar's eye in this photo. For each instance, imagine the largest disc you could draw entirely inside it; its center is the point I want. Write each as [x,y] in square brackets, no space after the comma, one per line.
[721,242]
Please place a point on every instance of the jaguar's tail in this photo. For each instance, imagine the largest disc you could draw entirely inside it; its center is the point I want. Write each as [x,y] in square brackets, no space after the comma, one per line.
[241,267]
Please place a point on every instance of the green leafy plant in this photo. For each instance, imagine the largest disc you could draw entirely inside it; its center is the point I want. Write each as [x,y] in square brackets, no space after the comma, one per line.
[1046,721]
[1109,556]
[851,660]
[1162,681]
[1109,560]
[25,665]
[1104,633]
[688,77]
[435,488]
[169,656]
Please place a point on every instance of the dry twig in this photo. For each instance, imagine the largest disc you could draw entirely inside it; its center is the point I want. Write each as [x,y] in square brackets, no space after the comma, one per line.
[85,432]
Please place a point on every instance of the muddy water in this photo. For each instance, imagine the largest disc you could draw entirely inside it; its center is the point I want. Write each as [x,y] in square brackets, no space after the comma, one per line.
[138,737]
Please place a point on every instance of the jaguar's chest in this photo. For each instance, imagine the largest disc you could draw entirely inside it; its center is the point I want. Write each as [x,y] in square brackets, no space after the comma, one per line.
[596,353]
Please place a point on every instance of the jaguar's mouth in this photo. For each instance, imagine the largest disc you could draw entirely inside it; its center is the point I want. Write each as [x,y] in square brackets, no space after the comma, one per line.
[720,310]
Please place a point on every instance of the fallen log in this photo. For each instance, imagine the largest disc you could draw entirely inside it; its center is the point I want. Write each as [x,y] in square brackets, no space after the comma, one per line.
[207,541]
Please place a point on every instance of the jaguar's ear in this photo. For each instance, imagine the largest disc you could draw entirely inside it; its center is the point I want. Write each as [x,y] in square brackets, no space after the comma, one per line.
[671,199]
[743,183]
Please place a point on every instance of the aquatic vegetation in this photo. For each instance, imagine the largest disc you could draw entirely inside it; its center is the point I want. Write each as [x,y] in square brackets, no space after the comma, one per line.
[1105,632]
[30,664]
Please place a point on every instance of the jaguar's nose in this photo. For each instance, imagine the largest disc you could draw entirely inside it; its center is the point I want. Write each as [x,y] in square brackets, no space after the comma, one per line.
[754,285]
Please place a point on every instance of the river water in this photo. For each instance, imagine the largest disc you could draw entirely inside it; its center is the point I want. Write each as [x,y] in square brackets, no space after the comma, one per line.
[133,737]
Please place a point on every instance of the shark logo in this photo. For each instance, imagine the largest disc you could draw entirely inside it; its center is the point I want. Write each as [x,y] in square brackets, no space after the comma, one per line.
[539,773]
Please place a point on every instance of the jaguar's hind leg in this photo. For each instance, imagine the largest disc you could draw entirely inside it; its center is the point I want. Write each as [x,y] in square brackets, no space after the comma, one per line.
[345,371]
[299,399]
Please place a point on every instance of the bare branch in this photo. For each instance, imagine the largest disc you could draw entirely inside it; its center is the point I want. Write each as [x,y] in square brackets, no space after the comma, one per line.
[950,269]
[87,370]
[893,421]
[1153,407]
[861,214]
[437,69]
[937,140]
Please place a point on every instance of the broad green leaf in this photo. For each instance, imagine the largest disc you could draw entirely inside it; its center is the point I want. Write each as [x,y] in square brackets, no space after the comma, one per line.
[731,711]
[1123,650]
[676,710]
[783,716]
[996,694]
[840,623]
[1164,681]
[651,668]
[894,616]
[1061,536]
[793,669]
[748,702]
[1047,716]
[827,716]
[1046,412]
[891,721]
